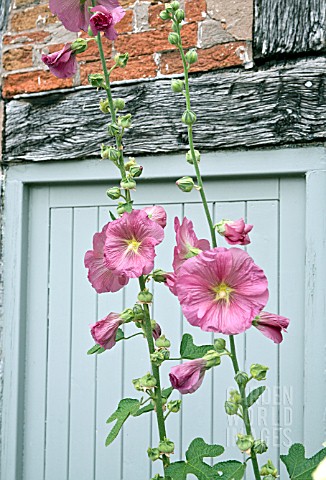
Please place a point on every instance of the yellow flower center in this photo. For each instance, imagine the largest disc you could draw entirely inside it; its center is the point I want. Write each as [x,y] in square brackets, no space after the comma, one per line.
[223,292]
[133,245]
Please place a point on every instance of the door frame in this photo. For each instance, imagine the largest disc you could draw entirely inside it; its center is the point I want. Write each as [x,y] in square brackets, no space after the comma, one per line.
[308,162]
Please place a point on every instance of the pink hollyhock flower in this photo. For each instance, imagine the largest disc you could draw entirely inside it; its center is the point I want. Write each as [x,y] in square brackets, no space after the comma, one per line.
[271,325]
[222,290]
[188,377]
[157,214]
[104,331]
[188,244]
[157,332]
[130,241]
[62,64]
[170,281]
[100,276]
[75,15]
[104,20]
[235,232]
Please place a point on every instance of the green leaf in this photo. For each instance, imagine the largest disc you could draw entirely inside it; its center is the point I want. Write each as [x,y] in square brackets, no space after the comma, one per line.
[254,395]
[113,217]
[194,464]
[230,470]
[299,467]
[166,392]
[128,206]
[191,351]
[120,335]
[126,407]
[146,409]
[96,349]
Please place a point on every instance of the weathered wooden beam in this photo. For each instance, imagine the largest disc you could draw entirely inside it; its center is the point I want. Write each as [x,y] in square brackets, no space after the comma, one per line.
[282,105]
[289,27]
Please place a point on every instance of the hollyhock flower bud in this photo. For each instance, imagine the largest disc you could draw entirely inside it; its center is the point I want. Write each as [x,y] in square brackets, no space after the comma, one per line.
[79,45]
[153,454]
[137,384]
[166,446]
[244,442]
[162,342]
[175,5]
[219,345]
[62,64]
[96,80]
[148,381]
[114,193]
[271,325]
[185,184]
[127,315]
[189,117]
[119,104]
[190,159]
[188,376]
[177,86]
[270,470]
[158,357]
[174,406]
[180,15]
[125,121]
[174,38]
[113,129]
[104,331]
[128,184]
[164,15]
[212,359]
[159,276]
[145,297]
[192,56]
[231,408]
[138,312]
[156,214]
[235,233]
[235,397]
[242,379]
[136,171]
[156,330]
[121,59]
[104,105]
[258,372]
[104,20]
[260,447]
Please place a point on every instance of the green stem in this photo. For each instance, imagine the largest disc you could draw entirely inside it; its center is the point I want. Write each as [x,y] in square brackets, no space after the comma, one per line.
[245,408]
[156,374]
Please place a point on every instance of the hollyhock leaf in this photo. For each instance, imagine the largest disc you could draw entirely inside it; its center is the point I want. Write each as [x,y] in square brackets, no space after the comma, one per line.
[254,395]
[166,392]
[113,217]
[120,335]
[298,466]
[126,407]
[146,409]
[96,349]
[190,351]
[194,464]
[230,470]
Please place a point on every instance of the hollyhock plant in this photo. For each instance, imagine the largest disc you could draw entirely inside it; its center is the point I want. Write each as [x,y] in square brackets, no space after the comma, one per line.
[104,331]
[235,232]
[75,15]
[188,377]
[221,290]
[63,64]
[157,214]
[130,244]
[188,244]
[104,20]
[100,276]
[271,325]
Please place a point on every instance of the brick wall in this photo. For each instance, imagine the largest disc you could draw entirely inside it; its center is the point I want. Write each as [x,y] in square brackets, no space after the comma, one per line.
[221,29]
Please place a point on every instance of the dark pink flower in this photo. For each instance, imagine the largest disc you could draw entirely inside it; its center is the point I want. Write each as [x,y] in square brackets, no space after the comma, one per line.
[235,232]
[130,244]
[100,276]
[103,20]
[157,214]
[104,331]
[62,64]
[271,325]
[157,332]
[188,377]
[188,244]
[75,15]
[221,290]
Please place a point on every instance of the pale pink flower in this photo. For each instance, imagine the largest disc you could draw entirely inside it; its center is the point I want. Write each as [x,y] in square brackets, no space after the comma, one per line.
[62,64]
[104,20]
[221,290]
[74,14]
[104,331]
[188,244]
[130,244]
[170,281]
[235,232]
[188,377]
[271,325]
[100,276]
[157,214]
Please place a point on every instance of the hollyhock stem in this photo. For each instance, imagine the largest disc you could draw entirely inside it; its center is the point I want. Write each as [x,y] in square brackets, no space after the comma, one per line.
[245,408]
[156,374]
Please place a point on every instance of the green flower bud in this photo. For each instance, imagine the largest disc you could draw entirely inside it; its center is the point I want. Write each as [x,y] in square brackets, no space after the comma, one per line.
[235,396]
[79,45]
[119,104]
[96,80]
[138,312]
[220,344]
[244,442]
[191,56]
[121,59]
[153,454]
[212,359]
[145,297]
[159,357]
[241,378]
[113,129]
[136,171]
[128,184]
[169,8]
[127,315]
[162,342]
[180,15]
[137,384]
[164,15]
[104,105]
[189,117]
[166,446]
[125,121]
[122,208]
[177,86]
[174,38]
[174,406]
[147,381]
[159,275]
[260,446]
[231,408]
[258,371]
[189,157]
[114,193]
[175,5]
[186,184]
[269,470]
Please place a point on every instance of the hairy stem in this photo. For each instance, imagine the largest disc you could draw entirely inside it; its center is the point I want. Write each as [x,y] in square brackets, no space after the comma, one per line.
[246,419]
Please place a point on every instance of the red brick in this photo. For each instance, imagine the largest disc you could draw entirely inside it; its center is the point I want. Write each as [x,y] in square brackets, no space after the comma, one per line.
[30,37]
[219,56]
[18,58]
[154,11]
[154,41]
[125,25]
[30,82]
[26,19]
[194,10]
